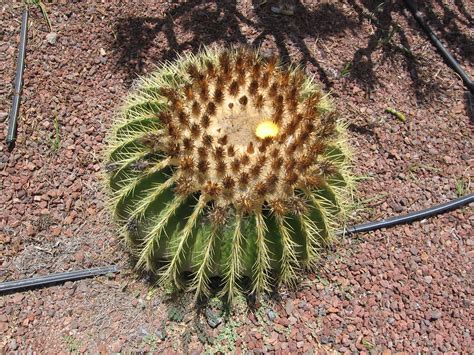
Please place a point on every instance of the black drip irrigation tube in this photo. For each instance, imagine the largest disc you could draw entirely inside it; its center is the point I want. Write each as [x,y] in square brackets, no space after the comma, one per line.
[40,281]
[20,67]
[36,282]
[410,217]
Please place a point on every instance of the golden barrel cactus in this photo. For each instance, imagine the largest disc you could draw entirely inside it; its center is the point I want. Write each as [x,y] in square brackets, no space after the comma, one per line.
[228,164]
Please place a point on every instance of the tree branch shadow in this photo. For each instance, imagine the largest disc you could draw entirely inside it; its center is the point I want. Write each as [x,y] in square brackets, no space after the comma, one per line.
[207,22]
[392,40]
[140,40]
[446,26]
[324,22]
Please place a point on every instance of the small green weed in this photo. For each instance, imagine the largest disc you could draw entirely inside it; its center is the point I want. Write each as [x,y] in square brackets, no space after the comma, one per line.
[201,333]
[373,199]
[151,340]
[39,4]
[225,341]
[346,70]
[55,140]
[461,186]
[367,344]
[175,313]
[388,38]
[416,167]
[325,282]
[72,343]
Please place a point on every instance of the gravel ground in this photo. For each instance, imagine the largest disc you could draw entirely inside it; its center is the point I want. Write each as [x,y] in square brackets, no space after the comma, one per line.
[408,288]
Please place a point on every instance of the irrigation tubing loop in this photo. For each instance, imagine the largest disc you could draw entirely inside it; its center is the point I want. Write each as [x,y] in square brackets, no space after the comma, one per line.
[35,282]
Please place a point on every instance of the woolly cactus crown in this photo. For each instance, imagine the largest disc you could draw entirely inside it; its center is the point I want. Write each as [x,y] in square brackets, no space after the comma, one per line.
[227,164]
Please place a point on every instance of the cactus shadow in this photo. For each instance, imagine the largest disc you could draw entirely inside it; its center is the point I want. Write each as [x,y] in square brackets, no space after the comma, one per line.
[184,302]
[361,129]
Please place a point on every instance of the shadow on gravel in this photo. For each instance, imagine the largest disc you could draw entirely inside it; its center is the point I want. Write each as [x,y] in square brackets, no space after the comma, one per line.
[446,27]
[389,37]
[140,40]
[287,32]
[220,22]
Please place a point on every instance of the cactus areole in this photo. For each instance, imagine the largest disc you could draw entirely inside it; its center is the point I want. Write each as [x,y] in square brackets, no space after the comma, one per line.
[227,164]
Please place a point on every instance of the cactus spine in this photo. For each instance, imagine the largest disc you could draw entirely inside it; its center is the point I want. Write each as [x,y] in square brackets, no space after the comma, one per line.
[227,164]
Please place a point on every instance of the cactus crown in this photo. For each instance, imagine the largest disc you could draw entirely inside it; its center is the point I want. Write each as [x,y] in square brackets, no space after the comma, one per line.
[254,143]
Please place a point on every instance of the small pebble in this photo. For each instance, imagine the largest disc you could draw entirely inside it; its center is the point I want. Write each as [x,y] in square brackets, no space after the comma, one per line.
[271,315]
[435,315]
[13,345]
[52,38]
[428,279]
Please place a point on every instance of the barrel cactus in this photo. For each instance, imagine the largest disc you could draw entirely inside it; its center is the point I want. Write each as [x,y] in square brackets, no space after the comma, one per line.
[230,164]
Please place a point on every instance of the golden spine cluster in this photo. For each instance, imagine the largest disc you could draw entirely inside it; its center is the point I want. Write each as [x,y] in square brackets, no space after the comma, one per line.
[243,177]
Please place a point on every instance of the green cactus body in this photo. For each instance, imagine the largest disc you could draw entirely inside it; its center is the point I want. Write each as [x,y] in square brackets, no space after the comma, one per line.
[227,164]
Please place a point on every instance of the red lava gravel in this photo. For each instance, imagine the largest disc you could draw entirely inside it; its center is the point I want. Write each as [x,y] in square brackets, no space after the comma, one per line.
[408,288]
